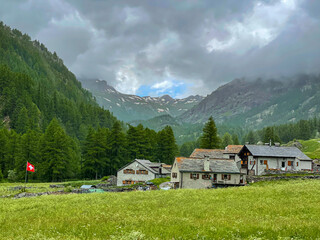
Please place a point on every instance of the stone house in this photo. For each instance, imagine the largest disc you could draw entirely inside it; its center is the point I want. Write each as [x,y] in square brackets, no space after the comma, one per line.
[141,171]
[256,159]
[205,173]
[230,152]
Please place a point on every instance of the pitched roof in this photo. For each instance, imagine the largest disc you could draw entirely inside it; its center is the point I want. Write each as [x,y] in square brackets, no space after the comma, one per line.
[273,151]
[233,148]
[148,165]
[211,153]
[216,165]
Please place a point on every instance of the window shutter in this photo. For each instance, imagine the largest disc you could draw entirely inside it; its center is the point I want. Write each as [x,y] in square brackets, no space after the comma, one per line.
[202,176]
[198,176]
[190,175]
[123,182]
[221,176]
[229,177]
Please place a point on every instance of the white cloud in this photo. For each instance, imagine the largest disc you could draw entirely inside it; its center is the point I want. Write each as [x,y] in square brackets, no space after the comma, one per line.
[257,29]
[126,80]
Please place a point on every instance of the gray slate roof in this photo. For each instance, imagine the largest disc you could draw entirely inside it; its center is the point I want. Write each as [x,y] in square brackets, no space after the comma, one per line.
[147,164]
[273,151]
[211,153]
[216,166]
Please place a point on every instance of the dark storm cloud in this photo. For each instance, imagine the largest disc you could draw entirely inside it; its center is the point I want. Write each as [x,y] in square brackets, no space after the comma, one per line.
[162,44]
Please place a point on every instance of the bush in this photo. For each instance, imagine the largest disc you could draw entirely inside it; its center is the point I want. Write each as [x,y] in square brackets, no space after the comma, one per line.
[105,178]
[12,175]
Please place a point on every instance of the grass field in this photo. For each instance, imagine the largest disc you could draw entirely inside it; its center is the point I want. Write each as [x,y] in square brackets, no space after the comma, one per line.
[311,148]
[266,210]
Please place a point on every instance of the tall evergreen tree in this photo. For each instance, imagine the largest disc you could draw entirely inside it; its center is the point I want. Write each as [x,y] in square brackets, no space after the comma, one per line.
[95,153]
[117,147]
[210,138]
[235,139]
[27,151]
[56,153]
[167,148]
[226,140]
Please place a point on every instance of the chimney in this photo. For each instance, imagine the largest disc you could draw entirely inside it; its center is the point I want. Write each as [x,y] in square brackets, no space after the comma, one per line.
[206,164]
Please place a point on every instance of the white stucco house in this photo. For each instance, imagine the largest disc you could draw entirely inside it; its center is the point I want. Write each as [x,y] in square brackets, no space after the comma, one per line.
[205,173]
[255,159]
[140,171]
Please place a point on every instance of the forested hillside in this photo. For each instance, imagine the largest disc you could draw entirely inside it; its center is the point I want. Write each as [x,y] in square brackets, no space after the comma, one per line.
[48,119]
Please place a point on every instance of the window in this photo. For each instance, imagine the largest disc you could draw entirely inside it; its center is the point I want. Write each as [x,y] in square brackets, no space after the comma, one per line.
[142,172]
[231,157]
[174,175]
[290,163]
[225,176]
[297,164]
[283,164]
[215,177]
[128,182]
[128,171]
[194,176]
[206,176]
[261,162]
[265,162]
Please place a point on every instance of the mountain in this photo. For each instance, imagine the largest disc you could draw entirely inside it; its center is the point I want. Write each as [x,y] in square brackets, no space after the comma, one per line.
[35,87]
[131,107]
[259,103]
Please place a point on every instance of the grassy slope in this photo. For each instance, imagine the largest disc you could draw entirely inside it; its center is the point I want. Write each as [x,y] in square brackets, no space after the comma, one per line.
[267,211]
[311,148]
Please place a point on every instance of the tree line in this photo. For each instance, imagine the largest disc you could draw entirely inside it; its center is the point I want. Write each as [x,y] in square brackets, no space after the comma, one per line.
[57,156]
[284,133]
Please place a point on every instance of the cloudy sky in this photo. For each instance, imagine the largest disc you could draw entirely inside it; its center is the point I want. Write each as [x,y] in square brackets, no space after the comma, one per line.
[156,47]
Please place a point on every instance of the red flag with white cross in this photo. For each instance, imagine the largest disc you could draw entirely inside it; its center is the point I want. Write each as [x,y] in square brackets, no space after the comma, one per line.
[30,167]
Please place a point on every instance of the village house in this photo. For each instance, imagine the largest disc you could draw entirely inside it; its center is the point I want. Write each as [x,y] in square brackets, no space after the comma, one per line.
[205,173]
[256,159]
[230,152]
[141,171]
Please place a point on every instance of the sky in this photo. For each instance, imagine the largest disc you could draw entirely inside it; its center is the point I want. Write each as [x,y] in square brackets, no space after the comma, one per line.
[180,48]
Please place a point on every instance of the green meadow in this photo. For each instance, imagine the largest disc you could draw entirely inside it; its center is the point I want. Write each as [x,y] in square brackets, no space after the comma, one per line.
[266,210]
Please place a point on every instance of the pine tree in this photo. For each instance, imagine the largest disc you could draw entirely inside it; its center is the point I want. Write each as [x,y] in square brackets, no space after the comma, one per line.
[251,138]
[210,138]
[187,148]
[137,142]
[167,148]
[56,153]
[22,123]
[226,140]
[95,153]
[235,139]
[117,147]
[27,151]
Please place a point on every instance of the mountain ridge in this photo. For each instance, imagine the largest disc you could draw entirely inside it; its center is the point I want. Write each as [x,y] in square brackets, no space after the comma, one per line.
[129,107]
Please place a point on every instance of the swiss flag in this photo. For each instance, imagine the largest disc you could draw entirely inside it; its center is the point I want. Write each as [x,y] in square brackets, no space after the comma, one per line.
[30,167]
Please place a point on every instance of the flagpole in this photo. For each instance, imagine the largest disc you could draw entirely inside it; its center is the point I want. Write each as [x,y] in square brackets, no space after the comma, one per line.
[26,174]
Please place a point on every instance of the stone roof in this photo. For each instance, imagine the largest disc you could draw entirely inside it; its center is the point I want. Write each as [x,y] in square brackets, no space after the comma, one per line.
[211,153]
[273,151]
[233,149]
[148,165]
[197,165]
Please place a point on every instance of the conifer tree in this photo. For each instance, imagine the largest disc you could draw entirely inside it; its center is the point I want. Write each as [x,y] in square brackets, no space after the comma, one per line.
[167,148]
[117,147]
[27,151]
[235,139]
[56,153]
[226,140]
[95,153]
[210,138]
